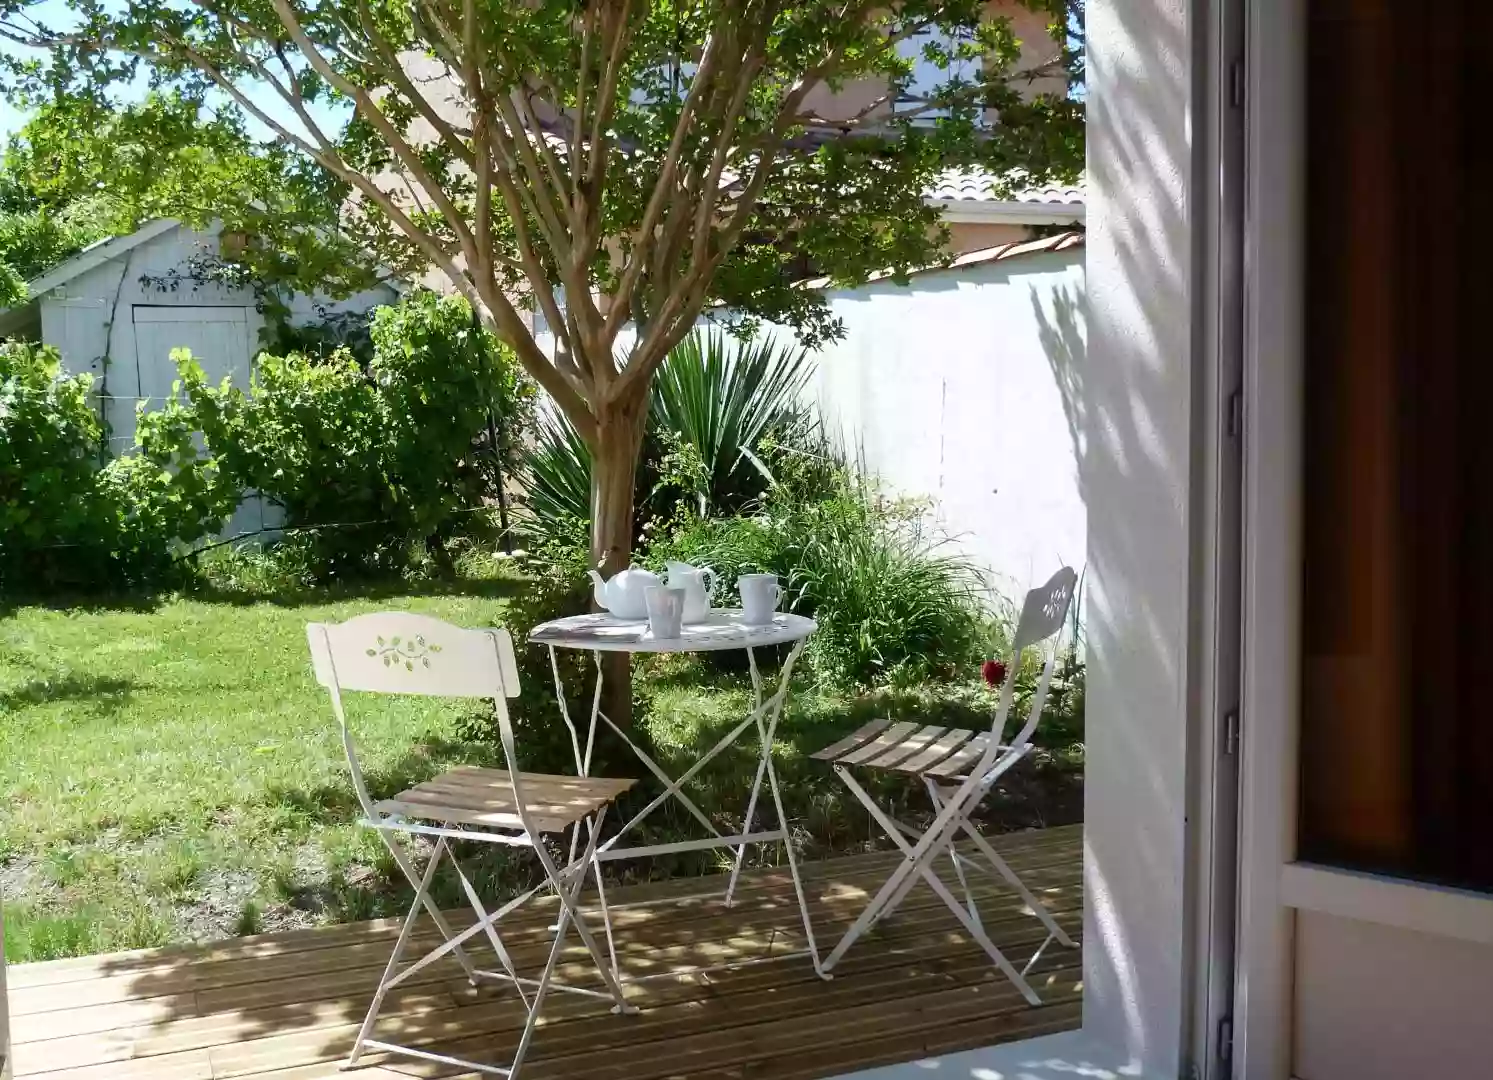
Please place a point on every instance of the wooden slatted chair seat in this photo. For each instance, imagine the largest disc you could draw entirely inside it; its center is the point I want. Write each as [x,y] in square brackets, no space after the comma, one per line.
[469,795]
[959,768]
[908,747]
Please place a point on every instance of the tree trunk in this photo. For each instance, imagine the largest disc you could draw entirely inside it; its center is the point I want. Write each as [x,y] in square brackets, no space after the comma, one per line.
[614,470]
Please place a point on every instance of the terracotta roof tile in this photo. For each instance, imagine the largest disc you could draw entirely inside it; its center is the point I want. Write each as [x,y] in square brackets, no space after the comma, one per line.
[1062,242]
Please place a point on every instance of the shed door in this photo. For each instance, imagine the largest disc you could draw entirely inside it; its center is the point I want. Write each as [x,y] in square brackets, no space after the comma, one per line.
[217,336]
[220,340]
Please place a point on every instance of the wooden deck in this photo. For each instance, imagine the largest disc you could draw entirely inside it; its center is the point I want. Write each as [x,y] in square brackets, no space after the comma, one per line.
[286,1007]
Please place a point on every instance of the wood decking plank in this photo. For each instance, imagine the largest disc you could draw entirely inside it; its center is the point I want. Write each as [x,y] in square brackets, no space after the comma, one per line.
[144,961]
[287,1009]
[370,948]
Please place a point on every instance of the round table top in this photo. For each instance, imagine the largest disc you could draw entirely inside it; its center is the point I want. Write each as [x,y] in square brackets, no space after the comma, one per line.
[722,629]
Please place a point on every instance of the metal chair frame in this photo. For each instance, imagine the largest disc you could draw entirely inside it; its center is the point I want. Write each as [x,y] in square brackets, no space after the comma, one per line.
[1043,617]
[403,653]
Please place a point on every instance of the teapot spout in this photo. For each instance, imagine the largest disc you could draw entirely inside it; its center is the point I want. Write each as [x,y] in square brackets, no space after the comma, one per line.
[599,588]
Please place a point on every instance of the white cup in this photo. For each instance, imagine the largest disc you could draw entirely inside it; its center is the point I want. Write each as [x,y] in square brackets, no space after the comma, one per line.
[665,611]
[760,596]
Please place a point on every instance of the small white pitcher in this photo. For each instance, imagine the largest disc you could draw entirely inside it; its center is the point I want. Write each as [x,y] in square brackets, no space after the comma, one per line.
[697,583]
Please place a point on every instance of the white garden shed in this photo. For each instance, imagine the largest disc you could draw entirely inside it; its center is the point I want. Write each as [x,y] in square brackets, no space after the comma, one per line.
[118,308]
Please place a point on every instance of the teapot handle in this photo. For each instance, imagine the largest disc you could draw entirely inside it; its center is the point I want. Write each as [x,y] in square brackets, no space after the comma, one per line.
[707,577]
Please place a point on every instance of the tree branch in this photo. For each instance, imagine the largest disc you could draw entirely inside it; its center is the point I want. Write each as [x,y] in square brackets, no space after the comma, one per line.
[663,187]
[369,108]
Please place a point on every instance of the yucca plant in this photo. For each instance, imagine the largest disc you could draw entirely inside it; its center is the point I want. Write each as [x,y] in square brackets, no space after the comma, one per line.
[717,396]
[721,397]
[556,477]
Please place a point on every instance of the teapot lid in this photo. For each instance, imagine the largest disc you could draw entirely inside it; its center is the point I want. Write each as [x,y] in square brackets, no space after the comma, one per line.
[635,572]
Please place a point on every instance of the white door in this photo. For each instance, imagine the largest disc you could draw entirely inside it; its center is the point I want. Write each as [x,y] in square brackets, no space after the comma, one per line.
[221,341]
[218,337]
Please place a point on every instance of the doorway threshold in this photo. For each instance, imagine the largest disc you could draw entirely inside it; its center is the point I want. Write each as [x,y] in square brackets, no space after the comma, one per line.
[1068,1055]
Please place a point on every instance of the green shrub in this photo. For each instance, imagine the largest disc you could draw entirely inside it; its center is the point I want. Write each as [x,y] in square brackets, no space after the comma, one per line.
[68,523]
[365,461]
[893,605]
[715,403]
[50,440]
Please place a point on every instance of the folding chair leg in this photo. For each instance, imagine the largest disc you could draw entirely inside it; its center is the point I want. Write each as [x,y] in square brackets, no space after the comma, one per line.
[594,823]
[570,908]
[969,898]
[1039,909]
[562,925]
[920,863]
[492,933]
[403,861]
[892,890]
[978,933]
[393,965]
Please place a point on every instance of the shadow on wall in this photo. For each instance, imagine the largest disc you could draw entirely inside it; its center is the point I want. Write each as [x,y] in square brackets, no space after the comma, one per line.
[1128,399]
[1061,331]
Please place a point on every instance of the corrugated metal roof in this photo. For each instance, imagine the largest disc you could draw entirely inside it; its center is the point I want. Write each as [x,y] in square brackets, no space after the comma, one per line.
[1062,242]
[977,185]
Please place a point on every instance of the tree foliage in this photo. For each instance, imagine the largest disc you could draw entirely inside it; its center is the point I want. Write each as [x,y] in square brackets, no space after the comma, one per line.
[85,168]
[600,162]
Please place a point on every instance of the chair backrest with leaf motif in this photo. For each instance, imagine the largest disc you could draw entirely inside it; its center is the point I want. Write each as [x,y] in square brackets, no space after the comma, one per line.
[398,652]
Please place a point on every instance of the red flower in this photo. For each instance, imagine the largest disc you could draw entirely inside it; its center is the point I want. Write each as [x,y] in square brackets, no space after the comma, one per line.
[994,672]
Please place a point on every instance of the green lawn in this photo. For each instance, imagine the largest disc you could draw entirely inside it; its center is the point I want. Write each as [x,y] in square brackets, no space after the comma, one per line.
[175,772]
[172,772]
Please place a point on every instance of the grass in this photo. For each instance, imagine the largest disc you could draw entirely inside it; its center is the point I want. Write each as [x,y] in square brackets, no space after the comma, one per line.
[164,769]
[170,770]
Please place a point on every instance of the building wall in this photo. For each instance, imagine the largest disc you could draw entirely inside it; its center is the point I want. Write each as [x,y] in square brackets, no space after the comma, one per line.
[1139,434]
[955,388]
[1376,1002]
[966,236]
[1037,48]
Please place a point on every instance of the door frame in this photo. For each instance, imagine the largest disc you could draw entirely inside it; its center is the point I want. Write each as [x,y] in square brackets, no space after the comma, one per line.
[1273,327]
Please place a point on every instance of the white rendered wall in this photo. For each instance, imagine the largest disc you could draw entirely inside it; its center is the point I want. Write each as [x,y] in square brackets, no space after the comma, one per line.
[959,387]
[1135,476]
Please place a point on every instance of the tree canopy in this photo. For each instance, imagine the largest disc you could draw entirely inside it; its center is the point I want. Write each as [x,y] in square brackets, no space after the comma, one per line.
[83,169]
[609,164]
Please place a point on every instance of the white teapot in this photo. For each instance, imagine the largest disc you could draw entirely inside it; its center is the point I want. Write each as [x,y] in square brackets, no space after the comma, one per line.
[697,583]
[626,595]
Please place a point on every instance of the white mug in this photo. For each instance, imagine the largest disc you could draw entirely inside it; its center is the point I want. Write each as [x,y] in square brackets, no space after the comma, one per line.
[665,611]
[760,596]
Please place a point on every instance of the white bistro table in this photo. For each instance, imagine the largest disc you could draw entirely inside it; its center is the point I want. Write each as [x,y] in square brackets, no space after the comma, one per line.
[722,630]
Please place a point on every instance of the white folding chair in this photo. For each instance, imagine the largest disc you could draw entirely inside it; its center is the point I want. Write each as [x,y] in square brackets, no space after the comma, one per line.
[401,653]
[958,768]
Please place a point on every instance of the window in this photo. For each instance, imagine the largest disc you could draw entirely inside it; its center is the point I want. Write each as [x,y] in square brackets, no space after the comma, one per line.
[1397,711]
[927,76]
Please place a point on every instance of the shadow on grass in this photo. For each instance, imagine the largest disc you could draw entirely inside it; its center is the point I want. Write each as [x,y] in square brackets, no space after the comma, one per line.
[105,693]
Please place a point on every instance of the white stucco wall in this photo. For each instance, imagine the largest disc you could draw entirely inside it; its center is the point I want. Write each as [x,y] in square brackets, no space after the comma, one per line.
[956,387]
[1136,472]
